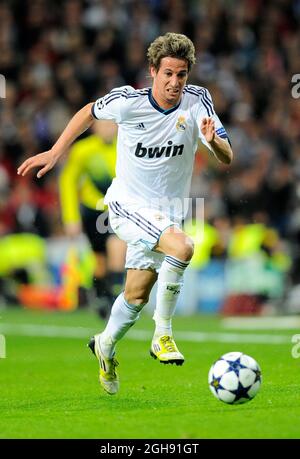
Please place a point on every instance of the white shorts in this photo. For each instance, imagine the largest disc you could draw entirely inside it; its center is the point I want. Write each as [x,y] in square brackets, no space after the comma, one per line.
[141,229]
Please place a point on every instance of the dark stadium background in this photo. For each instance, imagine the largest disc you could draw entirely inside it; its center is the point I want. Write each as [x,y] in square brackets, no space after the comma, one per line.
[56,56]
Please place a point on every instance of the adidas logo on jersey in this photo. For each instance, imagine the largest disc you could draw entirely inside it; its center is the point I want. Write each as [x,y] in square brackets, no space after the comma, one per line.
[157,152]
[140,126]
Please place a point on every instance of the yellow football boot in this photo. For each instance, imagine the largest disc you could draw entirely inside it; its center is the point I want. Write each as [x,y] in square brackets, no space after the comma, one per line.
[165,350]
[108,376]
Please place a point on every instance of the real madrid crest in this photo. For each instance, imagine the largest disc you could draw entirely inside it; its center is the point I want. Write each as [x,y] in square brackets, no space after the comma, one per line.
[181,124]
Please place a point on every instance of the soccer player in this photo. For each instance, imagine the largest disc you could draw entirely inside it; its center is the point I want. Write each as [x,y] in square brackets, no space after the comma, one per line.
[83,182]
[159,129]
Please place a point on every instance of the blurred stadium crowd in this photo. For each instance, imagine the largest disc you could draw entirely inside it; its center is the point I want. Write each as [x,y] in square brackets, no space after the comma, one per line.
[59,55]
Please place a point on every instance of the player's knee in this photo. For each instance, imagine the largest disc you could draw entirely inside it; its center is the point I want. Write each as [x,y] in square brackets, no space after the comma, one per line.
[185,250]
[137,296]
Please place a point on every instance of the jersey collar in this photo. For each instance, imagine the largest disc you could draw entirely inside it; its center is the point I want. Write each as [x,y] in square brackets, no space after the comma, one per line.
[158,108]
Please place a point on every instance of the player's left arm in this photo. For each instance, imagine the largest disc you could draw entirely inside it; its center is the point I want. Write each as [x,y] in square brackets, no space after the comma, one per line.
[220,147]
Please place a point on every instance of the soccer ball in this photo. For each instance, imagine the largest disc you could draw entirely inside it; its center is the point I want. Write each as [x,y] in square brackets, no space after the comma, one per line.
[234,378]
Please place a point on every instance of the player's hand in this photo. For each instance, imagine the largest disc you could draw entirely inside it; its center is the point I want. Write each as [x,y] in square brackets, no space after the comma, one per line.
[208,129]
[46,159]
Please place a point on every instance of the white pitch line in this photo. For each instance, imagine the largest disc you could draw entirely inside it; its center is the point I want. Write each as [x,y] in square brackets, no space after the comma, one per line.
[262,323]
[200,337]
[46,331]
[53,331]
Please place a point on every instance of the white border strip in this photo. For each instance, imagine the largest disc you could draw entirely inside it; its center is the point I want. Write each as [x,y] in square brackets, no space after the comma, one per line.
[53,331]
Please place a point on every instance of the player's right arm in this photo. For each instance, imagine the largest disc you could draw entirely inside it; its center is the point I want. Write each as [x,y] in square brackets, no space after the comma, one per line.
[109,107]
[80,122]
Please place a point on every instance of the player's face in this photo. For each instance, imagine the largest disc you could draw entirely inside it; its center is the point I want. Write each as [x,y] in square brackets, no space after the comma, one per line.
[169,81]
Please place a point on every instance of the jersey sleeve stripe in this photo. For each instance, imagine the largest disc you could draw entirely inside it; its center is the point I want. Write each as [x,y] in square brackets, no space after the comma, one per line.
[209,100]
[107,101]
[118,90]
[117,96]
[203,92]
[205,102]
[117,93]
[114,94]
[142,92]
[125,93]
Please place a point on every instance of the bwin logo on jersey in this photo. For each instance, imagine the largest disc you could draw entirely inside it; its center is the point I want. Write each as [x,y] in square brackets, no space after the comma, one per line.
[157,152]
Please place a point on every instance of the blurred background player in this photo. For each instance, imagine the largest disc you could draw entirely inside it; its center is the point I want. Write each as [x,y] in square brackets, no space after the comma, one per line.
[83,181]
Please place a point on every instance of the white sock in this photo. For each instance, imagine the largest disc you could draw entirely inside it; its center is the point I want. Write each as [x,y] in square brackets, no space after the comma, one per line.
[123,315]
[170,281]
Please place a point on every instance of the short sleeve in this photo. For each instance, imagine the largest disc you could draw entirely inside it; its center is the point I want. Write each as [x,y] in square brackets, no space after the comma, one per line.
[206,109]
[113,105]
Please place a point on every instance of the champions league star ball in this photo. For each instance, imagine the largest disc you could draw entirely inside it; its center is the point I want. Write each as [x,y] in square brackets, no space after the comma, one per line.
[234,378]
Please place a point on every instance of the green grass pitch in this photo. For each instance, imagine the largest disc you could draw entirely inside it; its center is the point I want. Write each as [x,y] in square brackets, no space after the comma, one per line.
[49,384]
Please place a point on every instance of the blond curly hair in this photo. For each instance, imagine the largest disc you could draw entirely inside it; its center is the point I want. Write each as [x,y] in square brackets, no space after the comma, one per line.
[171,45]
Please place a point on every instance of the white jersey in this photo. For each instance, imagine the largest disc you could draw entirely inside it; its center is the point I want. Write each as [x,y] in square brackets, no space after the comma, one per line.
[156,147]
